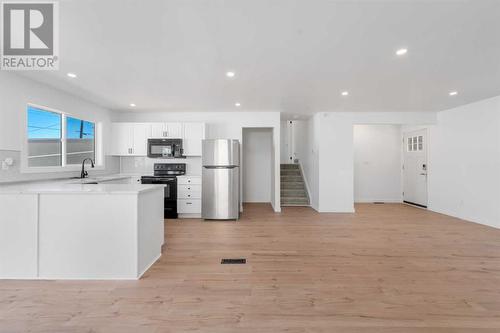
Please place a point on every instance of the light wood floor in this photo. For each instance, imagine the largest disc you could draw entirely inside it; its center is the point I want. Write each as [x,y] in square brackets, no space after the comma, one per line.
[387,268]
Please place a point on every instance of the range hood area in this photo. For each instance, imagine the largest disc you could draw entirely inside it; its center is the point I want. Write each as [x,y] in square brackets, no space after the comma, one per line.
[165,148]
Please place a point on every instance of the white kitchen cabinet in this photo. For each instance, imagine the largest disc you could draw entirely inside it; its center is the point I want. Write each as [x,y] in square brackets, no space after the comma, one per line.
[158,130]
[189,207]
[189,191]
[130,139]
[188,180]
[189,196]
[174,130]
[122,138]
[18,236]
[141,133]
[166,130]
[194,133]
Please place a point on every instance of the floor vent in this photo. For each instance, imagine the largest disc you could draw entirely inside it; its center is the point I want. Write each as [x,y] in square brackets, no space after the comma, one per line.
[379,202]
[233,261]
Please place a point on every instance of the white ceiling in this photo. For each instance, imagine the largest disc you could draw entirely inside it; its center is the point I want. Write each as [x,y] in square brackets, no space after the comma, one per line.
[289,55]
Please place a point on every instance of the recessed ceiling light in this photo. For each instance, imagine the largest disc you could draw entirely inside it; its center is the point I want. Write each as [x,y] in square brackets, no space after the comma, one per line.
[132,104]
[345,93]
[230,74]
[71,75]
[237,104]
[401,52]
[453,93]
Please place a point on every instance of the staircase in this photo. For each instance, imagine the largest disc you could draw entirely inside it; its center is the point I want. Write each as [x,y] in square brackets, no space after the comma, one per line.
[293,189]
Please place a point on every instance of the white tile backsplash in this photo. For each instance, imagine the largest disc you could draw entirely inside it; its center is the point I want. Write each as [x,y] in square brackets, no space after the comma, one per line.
[144,165]
[13,173]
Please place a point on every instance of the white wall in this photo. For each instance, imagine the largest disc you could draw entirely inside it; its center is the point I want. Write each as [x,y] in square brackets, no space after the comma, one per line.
[334,150]
[464,162]
[257,164]
[15,93]
[284,141]
[377,163]
[311,162]
[223,125]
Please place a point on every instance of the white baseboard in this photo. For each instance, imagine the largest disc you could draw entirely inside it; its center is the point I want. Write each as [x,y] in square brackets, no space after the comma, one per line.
[363,200]
[149,266]
[190,216]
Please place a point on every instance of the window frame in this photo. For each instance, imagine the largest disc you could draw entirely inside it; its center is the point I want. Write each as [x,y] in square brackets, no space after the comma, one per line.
[98,143]
[65,122]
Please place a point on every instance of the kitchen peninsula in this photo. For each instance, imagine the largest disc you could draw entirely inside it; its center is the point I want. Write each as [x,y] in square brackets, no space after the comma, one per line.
[80,231]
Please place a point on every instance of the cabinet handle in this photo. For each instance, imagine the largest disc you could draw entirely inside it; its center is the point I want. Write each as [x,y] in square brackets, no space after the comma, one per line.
[189,203]
[189,195]
[189,188]
[189,181]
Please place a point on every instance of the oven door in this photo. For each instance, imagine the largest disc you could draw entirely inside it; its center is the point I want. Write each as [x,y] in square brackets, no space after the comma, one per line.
[170,184]
[170,194]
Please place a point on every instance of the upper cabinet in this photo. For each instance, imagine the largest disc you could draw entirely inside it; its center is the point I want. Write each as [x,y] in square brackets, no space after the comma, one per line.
[141,133]
[166,130]
[194,133]
[130,139]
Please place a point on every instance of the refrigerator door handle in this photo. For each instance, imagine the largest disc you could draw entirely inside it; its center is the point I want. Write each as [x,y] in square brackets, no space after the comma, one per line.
[220,167]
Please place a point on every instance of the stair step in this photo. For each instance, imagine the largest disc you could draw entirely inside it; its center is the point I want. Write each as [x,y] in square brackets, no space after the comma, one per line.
[291,178]
[293,193]
[290,173]
[294,201]
[289,166]
[293,190]
[292,185]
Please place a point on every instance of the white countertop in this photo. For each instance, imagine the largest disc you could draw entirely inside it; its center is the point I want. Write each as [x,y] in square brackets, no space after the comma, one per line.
[78,186]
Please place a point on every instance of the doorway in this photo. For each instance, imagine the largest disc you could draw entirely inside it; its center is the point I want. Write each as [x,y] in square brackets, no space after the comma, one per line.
[258,165]
[415,168]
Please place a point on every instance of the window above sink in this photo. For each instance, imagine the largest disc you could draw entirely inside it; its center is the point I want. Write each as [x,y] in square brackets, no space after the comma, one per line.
[57,141]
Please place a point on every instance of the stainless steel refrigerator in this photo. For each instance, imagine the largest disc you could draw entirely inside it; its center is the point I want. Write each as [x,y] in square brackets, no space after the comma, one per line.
[220,179]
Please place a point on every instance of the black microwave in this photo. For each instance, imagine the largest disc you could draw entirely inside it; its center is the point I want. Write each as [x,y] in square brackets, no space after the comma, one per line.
[165,148]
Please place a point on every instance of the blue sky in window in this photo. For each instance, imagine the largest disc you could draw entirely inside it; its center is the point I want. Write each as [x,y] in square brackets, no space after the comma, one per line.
[43,124]
[47,125]
[76,128]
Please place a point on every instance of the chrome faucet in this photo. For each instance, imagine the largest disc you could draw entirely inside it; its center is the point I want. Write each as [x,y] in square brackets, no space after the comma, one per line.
[84,173]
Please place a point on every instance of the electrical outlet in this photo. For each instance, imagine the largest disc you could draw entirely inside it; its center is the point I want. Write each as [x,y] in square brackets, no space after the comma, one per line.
[7,163]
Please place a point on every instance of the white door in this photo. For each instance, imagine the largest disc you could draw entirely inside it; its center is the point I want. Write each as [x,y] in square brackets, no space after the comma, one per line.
[415,168]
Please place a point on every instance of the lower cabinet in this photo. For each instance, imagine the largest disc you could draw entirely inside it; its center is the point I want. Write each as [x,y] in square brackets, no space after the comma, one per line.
[189,196]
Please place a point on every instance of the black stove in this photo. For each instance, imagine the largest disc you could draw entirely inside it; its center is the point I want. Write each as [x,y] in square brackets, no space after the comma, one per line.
[166,174]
